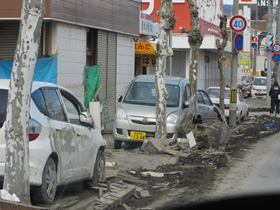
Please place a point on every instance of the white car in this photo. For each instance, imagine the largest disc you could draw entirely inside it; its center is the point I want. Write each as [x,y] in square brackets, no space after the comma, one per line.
[259,86]
[242,112]
[64,144]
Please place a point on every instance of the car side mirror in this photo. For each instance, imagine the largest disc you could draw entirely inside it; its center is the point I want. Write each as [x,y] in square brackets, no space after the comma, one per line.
[186,104]
[85,119]
[120,98]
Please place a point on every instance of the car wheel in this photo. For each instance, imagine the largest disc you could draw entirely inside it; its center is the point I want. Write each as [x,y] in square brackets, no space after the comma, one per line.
[117,144]
[99,169]
[46,192]
[246,117]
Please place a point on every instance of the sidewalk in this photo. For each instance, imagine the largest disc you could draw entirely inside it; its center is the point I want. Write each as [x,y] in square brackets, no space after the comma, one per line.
[257,104]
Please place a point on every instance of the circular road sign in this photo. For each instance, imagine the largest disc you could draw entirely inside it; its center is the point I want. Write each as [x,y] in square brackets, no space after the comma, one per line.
[238,23]
[276,58]
[276,47]
[238,42]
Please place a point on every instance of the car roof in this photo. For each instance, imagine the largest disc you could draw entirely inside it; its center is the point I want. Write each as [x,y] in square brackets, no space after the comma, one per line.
[168,79]
[261,77]
[4,84]
[218,88]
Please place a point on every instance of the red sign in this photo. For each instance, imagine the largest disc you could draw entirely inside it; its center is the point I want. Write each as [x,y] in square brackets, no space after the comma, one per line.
[238,42]
[276,47]
[238,23]
[276,58]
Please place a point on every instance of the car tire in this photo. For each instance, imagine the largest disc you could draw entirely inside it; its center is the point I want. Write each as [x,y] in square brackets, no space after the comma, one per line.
[117,144]
[98,170]
[246,117]
[45,194]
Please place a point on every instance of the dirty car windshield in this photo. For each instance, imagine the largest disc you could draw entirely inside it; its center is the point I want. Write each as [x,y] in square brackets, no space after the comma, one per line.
[144,93]
[215,93]
[3,106]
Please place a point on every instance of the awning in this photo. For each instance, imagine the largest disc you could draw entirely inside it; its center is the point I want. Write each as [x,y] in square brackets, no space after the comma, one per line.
[146,48]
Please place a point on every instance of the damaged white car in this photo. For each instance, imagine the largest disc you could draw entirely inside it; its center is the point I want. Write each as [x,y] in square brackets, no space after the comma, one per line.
[64,144]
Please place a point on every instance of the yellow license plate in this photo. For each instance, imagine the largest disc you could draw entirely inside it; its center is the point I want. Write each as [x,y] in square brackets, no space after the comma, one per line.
[137,135]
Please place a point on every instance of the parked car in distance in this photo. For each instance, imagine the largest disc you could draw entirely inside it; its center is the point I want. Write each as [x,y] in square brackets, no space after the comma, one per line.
[64,144]
[242,111]
[206,111]
[136,115]
[258,86]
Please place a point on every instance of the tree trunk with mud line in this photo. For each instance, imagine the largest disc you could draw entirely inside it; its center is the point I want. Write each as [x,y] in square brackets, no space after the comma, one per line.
[167,23]
[221,60]
[16,178]
[195,40]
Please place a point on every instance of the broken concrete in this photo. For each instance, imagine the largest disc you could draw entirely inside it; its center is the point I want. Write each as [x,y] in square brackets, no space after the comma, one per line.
[218,133]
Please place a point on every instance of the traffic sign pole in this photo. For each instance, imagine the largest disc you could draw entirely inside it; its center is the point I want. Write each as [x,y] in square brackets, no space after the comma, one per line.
[234,64]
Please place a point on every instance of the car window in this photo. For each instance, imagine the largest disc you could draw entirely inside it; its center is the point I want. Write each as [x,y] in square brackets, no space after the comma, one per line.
[3,106]
[199,98]
[260,81]
[189,90]
[39,101]
[53,104]
[215,92]
[241,99]
[206,98]
[144,93]
[72,108]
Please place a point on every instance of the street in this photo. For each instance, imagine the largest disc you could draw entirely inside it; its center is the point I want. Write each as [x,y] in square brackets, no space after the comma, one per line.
[256,173]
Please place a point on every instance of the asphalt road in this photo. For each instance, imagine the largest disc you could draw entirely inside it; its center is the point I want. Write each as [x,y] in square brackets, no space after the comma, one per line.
[257,173]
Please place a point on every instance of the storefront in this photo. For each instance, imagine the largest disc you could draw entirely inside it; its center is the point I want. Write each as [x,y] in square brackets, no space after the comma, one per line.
[145,57]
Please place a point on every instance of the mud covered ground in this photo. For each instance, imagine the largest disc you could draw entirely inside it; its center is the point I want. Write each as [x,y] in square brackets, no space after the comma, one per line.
[193,176]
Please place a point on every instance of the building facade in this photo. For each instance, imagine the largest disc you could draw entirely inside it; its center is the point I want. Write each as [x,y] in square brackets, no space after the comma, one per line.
[209,11]
[82,33]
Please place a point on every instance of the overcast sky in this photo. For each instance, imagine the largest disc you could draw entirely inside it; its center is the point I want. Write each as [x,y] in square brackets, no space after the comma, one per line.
[227,1]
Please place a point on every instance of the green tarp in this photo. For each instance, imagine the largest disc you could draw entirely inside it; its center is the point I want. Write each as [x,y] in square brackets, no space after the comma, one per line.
[91,83]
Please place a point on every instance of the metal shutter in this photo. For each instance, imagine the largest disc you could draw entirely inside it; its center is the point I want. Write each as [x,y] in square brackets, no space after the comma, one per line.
[8,40]
[107,58]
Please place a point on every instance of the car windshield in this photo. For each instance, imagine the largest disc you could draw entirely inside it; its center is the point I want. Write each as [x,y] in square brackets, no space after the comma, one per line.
[215,93]
[260,81]
[3,106]
[144,93]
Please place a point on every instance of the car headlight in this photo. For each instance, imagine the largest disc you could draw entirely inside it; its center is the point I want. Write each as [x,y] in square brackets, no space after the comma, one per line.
[121,114]
[172,118]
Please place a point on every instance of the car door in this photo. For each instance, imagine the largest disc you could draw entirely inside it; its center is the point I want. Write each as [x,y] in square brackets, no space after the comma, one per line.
[202,108]
[84,136]
[211,114]
[62,134]
[188,112]
[242,106]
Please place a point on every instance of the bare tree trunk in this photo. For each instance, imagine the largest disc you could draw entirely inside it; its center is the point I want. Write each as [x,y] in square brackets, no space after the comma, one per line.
[167,23]
[195,40]
[221,60]
[16,179]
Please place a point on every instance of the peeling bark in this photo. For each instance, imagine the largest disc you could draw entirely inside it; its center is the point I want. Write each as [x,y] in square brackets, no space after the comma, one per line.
[16,178]
[221,60]
[167,23]
[195,40]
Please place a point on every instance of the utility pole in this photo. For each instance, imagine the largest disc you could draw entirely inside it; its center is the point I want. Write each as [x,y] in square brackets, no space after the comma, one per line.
[256,49]
[278,38]
[269,52]
[233,78]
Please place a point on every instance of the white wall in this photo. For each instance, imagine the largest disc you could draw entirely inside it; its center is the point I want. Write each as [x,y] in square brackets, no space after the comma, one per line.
[125,62]
[71,48]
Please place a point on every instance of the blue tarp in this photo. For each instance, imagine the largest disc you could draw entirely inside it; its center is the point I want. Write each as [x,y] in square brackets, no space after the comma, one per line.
[45,69]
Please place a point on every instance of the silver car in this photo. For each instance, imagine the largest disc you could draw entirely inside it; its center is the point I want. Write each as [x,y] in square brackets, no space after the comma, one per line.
[206,111]
[136,114]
